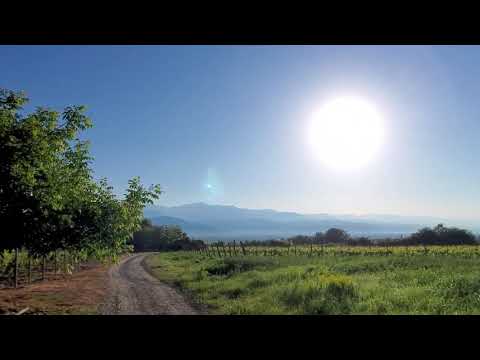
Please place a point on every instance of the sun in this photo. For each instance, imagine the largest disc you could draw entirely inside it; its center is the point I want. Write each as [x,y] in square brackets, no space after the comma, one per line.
[346,133]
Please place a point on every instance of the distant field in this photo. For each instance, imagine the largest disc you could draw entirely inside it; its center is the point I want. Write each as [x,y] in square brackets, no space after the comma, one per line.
[337,280]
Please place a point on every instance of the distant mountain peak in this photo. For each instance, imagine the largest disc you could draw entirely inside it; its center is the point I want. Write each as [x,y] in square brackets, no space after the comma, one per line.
[195,204]
[205,205]
[214,221]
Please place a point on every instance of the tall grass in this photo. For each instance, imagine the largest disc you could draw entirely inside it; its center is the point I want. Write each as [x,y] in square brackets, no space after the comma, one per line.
[341,284]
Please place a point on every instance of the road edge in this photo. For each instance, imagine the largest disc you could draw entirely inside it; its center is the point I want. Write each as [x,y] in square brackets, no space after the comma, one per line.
[200,308]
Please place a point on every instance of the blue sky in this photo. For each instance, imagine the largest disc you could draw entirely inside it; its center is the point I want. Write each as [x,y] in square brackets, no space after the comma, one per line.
[235,117]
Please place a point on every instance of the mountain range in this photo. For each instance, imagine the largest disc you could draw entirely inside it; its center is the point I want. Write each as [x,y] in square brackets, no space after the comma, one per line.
[220,222]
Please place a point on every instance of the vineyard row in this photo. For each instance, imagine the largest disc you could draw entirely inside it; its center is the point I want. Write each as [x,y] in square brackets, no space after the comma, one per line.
[233,249]
[19,268]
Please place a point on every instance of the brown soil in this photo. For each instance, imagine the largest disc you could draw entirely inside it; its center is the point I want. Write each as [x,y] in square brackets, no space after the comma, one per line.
[80,293]
[134,291]
[125,288]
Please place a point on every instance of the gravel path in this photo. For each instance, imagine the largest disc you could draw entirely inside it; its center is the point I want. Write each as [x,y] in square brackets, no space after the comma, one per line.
[133,291]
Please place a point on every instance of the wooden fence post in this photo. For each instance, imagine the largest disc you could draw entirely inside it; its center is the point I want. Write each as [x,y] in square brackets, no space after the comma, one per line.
[224,250]
[65,262]
[15,270]
[29,269]
[55,263]
[243,248]
[43,267]
[218,250]
[73,259]
[234,248]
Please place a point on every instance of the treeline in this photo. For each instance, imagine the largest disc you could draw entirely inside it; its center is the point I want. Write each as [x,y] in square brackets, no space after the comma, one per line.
[439,235]
[172,238]
[163,238]
[49,199]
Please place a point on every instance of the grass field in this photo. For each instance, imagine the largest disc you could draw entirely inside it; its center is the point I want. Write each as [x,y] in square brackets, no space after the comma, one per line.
[433,280]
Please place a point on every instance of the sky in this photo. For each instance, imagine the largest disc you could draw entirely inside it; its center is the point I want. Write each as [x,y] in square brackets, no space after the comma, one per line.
[229,124]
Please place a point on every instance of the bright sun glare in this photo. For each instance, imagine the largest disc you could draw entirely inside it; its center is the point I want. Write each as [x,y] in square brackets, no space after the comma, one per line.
[346,133]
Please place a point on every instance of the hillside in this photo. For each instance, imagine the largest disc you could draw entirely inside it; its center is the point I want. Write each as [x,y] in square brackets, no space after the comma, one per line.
[230,222]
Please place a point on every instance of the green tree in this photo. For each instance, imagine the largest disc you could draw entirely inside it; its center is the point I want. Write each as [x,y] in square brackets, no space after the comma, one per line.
[48,197]
[158,238]
[335,235]
[43,168]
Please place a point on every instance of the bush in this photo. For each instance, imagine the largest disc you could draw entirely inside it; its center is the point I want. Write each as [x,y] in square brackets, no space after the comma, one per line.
[460,287]
[326,294]
[228,266]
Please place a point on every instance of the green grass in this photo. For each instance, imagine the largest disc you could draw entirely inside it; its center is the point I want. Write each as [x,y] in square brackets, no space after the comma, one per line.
[350,284]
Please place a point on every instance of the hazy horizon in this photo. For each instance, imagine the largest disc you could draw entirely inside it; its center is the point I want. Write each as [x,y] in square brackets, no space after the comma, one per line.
[463,221]
[229,125]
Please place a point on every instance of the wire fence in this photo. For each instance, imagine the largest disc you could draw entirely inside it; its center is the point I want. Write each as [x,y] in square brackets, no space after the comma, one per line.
[221,249]
[19,268]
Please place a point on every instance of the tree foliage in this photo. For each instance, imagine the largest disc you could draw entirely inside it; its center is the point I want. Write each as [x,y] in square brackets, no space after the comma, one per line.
[336,236]
[440,235]
[48,197]
[160,238]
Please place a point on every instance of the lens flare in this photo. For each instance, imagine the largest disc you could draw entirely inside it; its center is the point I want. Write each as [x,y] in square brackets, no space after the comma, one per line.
[213,189]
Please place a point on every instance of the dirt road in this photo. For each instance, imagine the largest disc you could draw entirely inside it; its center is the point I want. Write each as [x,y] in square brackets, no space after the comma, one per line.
[133,291]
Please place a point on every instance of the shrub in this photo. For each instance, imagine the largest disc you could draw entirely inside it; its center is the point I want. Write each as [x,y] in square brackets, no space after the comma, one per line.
[325,294]
[228,266]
